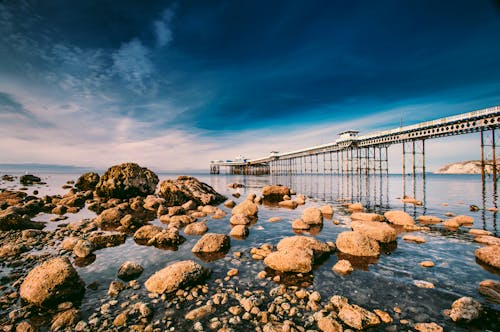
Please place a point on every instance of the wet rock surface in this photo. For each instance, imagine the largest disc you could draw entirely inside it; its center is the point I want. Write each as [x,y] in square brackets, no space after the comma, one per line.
[187,188]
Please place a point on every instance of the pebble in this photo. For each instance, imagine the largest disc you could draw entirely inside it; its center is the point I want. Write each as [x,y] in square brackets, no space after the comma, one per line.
[426,264]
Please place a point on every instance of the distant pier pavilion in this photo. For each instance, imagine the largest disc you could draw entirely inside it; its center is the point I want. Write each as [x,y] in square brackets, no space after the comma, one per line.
[358,154]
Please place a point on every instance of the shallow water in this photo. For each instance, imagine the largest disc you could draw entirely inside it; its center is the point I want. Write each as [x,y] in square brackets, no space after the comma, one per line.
[384,284]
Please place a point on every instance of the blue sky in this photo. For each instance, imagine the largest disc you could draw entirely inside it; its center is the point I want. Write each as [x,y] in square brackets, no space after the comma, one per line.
[172,85]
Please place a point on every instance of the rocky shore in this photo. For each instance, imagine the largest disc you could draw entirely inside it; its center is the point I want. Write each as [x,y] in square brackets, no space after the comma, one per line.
[216,288]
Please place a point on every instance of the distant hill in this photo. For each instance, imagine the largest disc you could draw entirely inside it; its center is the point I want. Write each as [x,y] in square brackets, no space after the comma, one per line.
[466,167]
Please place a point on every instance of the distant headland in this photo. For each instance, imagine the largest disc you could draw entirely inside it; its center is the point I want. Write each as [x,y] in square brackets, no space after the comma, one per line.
[465,167]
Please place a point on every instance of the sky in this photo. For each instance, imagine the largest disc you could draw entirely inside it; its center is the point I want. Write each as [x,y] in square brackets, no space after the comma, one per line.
[172,85]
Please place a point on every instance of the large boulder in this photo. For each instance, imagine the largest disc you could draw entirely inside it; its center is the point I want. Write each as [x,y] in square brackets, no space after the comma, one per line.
[212,243]
[175,276]
[465,309]
[127,180]
[187,188]
[379,231]
[13,218]
[246,208]
[29,179]
[304,243]
[52,282]
[312,216]
[400,218]
[290,260]
[275,193]
[87,181]
[357,244]
[489,255]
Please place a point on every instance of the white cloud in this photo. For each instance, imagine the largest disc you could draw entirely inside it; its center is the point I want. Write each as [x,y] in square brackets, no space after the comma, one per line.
[162,29]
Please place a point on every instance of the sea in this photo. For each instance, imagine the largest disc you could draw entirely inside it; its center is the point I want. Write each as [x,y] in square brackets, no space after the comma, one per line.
[392,280]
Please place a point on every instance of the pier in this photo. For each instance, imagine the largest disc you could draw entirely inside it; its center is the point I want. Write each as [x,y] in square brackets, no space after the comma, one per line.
[354,154]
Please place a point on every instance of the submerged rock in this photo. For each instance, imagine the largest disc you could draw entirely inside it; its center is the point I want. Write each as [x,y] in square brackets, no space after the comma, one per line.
[343,266]
[87,181]
[186,188]
[127,180]
[490,289]
[175,276]
[129,270]
[52,282]
[289,204]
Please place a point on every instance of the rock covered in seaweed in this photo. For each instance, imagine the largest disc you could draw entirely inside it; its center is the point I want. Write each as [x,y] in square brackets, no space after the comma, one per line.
[187,188]
[127,180]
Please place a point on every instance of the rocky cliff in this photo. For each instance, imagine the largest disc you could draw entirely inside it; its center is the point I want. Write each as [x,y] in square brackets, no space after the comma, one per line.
[466,167]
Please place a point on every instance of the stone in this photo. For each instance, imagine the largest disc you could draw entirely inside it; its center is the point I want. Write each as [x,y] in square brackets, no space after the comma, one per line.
[212,243]
[364,216]
[429,220]
[384,316]
[299,242]
[290,260]
[200,312]
[239,231]
[25,326]
[102,240]
[355,207]
[411,200]
[475,231]
[158,236]
[289,204]
[152,203]
[65,319]
[177,275]
[490,289]
[196,228]
[246,208]
[275,193]
[189,205]
[83,248]
[487,239]
[451,223]
[14,218]
[115,287]
[274,219]
[489,255]
[357,244]
[428,327]
[299,224]
[109,218]
[229,204]
[126,180]
[312,216]
[414,238]
[357,317]
[400,218]
[69,243]
[462,220]
[129,270]
[343,266]
[59,210]
[28,179]
[327,324]
[11,250]
[426,263]
[87,181]
[326,211]
[176,211]
[239,219]
[186,188]
[465,309]
[52,282]
[379,231]
[423,284]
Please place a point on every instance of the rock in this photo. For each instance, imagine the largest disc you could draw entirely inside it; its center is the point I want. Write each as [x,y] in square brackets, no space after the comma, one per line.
[69,243]
[423,284]
[189,205]
[83,248]
[475,231]
[152,203]
[106,240]
[246,208]
[175,276]
[290,260]
[236,185]
[274,219]
[357,244]
[413,238]
[312,216]
[126,180]
[158,236]
[87,181]
[465,309]
[28,179]
[357,317]
[299,242]
[229,204]
[60,210]
[426,263]
[379,231]
[490,289]
[384,316]
[364,216]
[489,255]
[196,228]
[327,211]
[299,224]
[115,287]
[275,193]
[400,218]
[176,211]
[428,327]
[452,224]
[461,220]
[121,319]
[65,319]
[239,219]
[200,312]
[25,326]
[11,250]
[109,218]
[14,218]
[52,282]
[343,266]
[10,198]
[212,243]
[487,239]
[289,204]
[239,231]
[411,200]
[129,270]
[186,188]
[429,220]
[327,324]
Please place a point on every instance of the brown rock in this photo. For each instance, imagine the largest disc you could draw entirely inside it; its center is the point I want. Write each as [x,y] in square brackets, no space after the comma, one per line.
[327,324]
[487,239]
[52,282]
[379,231]
[109,218]
[411,200]
[355,207]
[489,255]
[14,218]
[239,219]
[384,316]
[65,319]
[475,231]
[229,204]
[274,219]
[327,211]
[25,326]
[186,188]
[397,217]
[413,238]
[87,181]
[83,248]
[290,260]
[429,220]
[289,204]
[200,312]
[239,231]
[11,250]
[357,244]
[426,263]
[246,208]
[299,224]
[158,236]
[129,270]
[490,289]
[69,243]
[363,216]
[102,240]
[462,220]
[343,267]
[428,327]
[304,243]
[275,193]
[212,243]
[175,276]
[357,317]
[312,216]
[465,309]
[196,228]
[125,181]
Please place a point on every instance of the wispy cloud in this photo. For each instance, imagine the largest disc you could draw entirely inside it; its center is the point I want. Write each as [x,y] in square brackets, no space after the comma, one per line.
[162,28]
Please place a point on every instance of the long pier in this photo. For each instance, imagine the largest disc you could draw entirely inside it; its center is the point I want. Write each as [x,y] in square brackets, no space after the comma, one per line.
[367,154]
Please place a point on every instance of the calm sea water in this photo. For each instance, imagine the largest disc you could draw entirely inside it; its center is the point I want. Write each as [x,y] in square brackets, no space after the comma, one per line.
[383,284]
